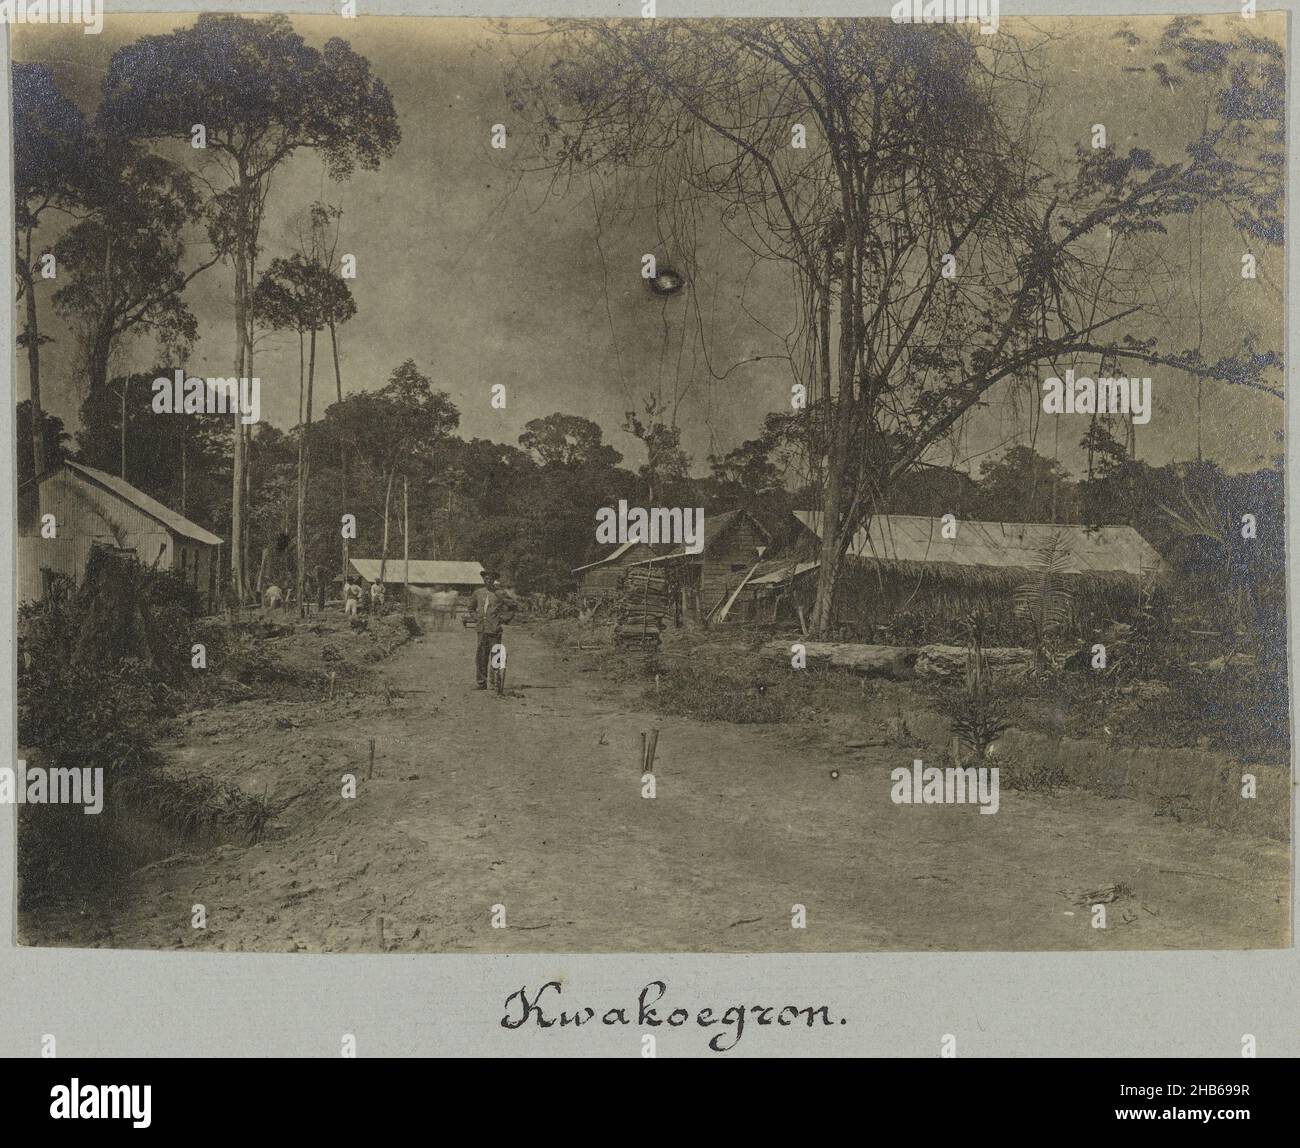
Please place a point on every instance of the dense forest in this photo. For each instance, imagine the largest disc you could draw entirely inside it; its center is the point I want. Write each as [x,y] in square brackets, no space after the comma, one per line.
[530,508]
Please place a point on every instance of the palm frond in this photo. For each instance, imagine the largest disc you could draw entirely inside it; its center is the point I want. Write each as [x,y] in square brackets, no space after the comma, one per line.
[1198,516]
[1046,602]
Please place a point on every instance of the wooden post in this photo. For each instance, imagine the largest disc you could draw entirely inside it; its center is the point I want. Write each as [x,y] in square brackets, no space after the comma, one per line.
[643,751]
[371,771]
[650,751]
[406,551]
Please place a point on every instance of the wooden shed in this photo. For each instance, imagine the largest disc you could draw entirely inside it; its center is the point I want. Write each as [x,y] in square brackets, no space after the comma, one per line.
[599,580]
[734,542]
[72,507]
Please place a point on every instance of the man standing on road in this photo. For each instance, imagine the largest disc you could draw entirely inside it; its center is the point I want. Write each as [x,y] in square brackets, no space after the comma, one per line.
[491,608]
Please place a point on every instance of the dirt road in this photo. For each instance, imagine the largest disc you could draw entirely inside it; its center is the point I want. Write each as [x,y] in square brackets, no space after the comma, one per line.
[534,802]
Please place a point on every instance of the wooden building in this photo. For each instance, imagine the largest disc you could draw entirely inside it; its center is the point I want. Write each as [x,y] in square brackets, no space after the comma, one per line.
[732,543]
[599,580]
[92,508]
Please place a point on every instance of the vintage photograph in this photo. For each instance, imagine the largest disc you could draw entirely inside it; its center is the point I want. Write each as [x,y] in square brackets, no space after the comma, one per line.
[651,485]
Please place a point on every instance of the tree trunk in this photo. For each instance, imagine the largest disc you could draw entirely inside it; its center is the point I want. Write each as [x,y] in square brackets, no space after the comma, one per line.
[304,471]
[338,375]
[830,555]
[383,553]
[184,466]
[247,432]
[237,581]
[343,445]
[835,534]
[32,331]
[824,331]
[126,386]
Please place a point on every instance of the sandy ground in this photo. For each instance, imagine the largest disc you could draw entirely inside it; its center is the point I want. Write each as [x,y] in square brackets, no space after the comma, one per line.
[534,801]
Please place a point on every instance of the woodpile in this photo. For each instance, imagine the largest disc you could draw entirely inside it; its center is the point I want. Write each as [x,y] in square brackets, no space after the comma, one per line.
[643,607]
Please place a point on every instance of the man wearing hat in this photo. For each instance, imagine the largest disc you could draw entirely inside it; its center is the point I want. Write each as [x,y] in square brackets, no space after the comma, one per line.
[491,607]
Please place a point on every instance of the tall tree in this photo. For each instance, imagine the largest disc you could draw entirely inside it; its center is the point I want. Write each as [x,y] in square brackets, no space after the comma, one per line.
[1024,486]
[398,426]
[122,265]
[303,295]
[568,440]
[665,462]
[748,470]
[55,439]
[179,461]
[939,254]
[318,240]
[49,141]
[258,93]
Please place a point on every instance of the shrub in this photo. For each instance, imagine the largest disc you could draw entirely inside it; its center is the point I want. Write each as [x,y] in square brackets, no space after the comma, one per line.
[96,672]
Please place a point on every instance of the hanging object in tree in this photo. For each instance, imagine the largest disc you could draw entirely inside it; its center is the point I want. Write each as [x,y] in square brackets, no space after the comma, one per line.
[667,282]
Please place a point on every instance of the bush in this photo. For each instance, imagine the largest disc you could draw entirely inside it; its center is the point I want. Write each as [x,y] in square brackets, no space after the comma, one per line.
[97,669]
[979,717]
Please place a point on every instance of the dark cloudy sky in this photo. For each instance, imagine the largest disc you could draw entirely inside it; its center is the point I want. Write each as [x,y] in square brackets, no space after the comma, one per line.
[481,277]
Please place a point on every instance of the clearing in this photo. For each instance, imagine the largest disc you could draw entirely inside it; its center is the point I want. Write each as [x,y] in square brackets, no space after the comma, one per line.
[534,801]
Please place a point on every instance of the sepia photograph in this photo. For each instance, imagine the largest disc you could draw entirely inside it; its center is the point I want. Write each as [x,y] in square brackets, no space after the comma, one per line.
[735,485]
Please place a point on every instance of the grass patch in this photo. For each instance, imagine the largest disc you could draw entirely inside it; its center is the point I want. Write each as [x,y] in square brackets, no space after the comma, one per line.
[194,805]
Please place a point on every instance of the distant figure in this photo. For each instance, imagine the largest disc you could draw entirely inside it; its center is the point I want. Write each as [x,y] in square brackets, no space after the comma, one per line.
[273,598]
[444,603]
[351,597]
[376,597]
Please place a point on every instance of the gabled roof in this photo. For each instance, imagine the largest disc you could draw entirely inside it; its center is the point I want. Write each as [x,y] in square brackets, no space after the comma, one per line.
[714,528]
[176,523]
[715,525]
[424,572]
[999,546]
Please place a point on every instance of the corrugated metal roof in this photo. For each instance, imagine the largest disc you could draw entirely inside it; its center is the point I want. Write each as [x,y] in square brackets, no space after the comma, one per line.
[1002,545]
[424,572]
[176,523]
